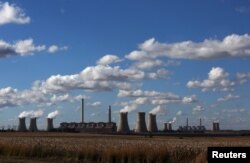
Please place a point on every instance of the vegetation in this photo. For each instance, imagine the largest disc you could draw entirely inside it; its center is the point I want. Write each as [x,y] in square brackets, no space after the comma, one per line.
[68,147]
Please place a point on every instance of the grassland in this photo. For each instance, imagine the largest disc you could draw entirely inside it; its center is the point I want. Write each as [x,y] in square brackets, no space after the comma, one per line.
[75,147]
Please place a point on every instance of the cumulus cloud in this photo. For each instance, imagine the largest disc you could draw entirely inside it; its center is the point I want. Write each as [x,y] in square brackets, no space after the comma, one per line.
[108,59]
[231,46]
[189,99]
[243,77]
[55,48]
[228,97]
[217,80]
[95,104]
[240,110]
[10,13]
[198,109]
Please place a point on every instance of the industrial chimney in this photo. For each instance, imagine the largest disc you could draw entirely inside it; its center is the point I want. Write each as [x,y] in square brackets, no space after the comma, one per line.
[109,114]
[141,124]
[50,124]
[33,126]
[152,126]
[167,126]
[123,124]
[22,125]
[83,110]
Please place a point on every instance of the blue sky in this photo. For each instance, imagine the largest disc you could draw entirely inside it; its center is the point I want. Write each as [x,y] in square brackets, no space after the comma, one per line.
[176,59]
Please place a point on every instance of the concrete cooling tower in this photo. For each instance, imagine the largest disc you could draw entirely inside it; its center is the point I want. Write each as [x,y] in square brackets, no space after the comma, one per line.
[33,126]
[216,126]
[123,124]
[141,123]
[50,124]
[152,126]
[22,125]
[167,126]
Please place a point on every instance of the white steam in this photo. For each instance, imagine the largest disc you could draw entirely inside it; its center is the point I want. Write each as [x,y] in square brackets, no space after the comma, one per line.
[31,114]
[53,114]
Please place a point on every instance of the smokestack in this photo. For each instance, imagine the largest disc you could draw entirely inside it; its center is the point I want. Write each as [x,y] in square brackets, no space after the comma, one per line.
[109,114]
[33,126]
[50,124]
[141,124]
[82,110]
[167,126]
[152,126]
[123,124]
[22,125]
[200,122]
[187,122]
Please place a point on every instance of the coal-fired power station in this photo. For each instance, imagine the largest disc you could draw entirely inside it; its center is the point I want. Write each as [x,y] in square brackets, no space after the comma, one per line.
[22,125]
[167,127]
[141,123]
[50,126]
[152,125]
[33,126]
[123,124]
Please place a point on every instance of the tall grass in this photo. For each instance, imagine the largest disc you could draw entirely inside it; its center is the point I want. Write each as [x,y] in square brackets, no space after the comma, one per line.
[91,148]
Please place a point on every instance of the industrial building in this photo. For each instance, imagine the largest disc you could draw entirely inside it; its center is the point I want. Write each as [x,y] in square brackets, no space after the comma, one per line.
[188,128]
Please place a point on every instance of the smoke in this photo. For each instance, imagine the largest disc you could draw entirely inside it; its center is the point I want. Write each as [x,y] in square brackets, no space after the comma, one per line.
[53,114]
[173,120]
[31,114]
[128,108]
[158,110]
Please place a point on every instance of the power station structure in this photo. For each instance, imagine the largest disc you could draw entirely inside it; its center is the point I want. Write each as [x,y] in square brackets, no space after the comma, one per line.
[50,126]
[90,127]
[152,125]
[33,126]
[167,127]
[141,123]
[123,126]
[22,125]
[216,126]
[188,128]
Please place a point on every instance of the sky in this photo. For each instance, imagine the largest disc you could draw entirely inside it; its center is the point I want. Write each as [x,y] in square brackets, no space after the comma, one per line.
[176,59]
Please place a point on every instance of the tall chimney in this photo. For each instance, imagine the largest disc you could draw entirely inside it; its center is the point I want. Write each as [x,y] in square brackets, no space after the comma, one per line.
[152,126]
[50,124]
[123,124]
[167,126]
[22,125]
[109,114]
[187,122]
[33,126]
[200,122]
[141,124]
[82,110]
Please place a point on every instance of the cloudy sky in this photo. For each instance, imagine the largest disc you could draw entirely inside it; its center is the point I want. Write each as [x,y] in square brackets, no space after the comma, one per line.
[176,59]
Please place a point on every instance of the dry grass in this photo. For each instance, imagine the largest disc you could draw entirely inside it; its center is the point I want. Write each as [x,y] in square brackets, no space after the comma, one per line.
[67,147]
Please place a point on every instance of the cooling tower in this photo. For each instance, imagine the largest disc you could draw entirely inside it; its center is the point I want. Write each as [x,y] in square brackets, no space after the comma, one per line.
[152,126]
[33,126]
[22,125]
[141,123]
[50,124]
[167,126]
[123,124]
[216,126]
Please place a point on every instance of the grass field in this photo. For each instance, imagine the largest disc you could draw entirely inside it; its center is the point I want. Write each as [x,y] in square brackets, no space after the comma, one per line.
[75,147]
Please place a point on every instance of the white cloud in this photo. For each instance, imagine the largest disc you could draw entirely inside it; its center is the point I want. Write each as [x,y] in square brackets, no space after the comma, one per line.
[179,113]
[231,46]
[148,64]
[228,97]
[217,80]
[198,109]
[95,104]
[26,47]
[243,77]
[240,110]
[55,48]
[10,13]
[189,99]
[108,59]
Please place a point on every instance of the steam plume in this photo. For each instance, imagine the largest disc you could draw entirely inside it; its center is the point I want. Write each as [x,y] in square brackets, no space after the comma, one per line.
[53,114]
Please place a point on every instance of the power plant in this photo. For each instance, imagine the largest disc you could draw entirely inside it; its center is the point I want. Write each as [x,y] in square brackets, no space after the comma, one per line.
[168,127]
[50,126]
[152,125]
[216,126]
[123,126]
[140,123]
[22,125]
[33,126]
